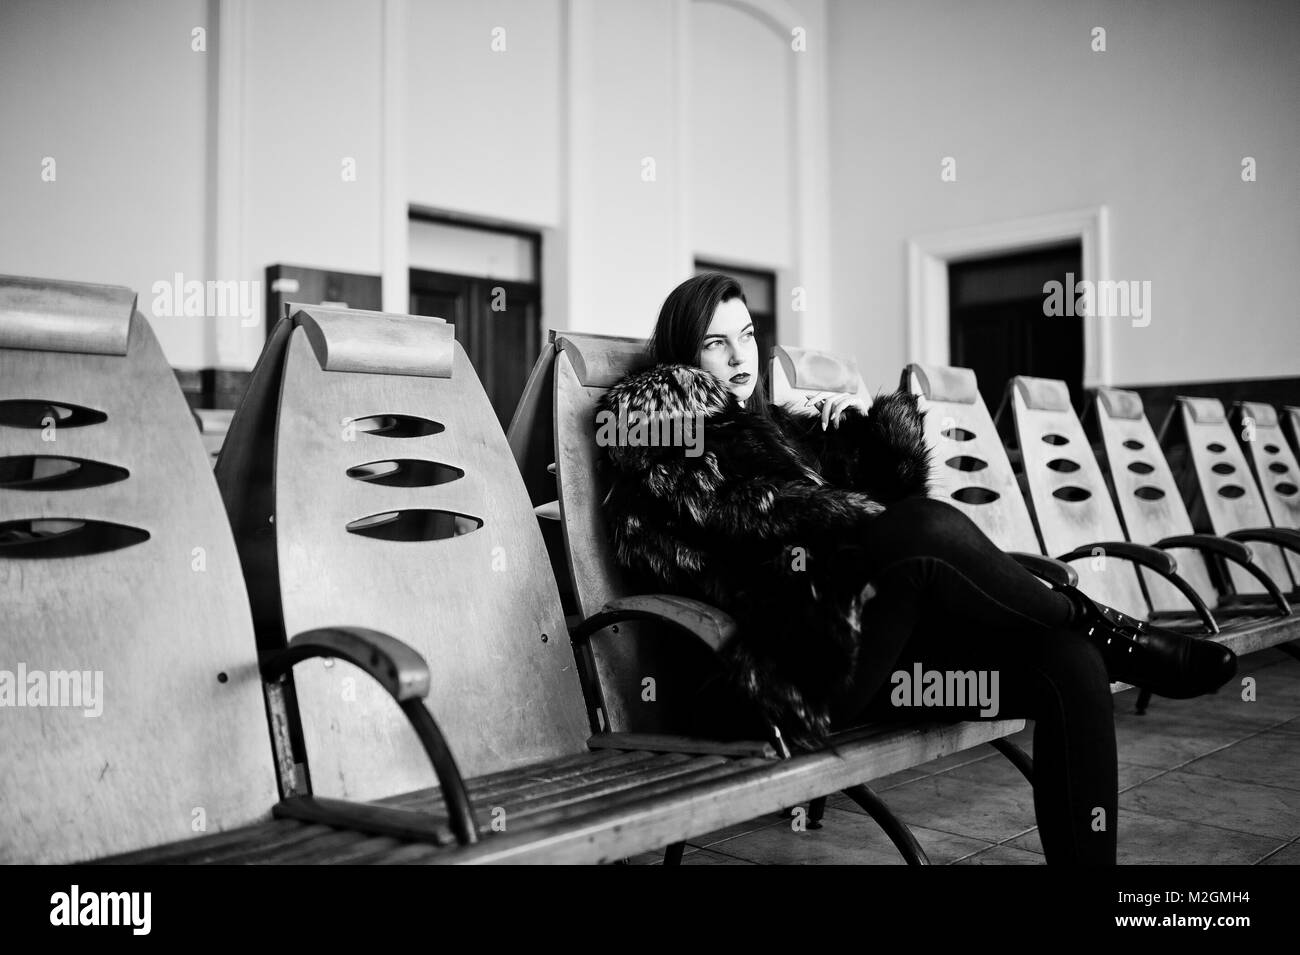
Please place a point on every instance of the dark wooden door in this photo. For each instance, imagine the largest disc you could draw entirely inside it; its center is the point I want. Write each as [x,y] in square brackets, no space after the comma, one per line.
[498,323]
[997,326]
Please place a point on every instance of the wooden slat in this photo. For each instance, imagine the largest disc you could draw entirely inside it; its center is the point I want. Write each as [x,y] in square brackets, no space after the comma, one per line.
[624,830]
[680,744]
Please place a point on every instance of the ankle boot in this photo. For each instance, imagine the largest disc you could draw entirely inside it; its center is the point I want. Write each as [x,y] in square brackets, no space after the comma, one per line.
[1166,662]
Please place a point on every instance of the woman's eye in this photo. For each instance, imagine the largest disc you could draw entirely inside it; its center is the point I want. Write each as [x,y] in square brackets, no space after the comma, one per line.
[747,336]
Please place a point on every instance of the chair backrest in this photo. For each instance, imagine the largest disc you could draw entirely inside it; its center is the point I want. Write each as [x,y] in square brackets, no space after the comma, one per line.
[570,376]
[1291,425]
[1070,501]
[1149,500]
[799,376]
[1273,462]
[131,708]
[394,504]
[1224,484]
[970,468]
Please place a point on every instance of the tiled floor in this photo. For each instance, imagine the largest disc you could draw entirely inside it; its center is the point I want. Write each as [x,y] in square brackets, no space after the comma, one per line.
[1211,780]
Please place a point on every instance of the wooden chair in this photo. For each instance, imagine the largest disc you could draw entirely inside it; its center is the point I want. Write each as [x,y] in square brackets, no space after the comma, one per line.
[971,470]
[626,635]
[1259,429]
[1074,511]
[1220,489]
[1291,426]
[1154,513]
[123,584]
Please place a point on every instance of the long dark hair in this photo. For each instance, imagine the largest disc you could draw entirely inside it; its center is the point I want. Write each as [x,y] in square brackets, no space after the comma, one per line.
[684,321]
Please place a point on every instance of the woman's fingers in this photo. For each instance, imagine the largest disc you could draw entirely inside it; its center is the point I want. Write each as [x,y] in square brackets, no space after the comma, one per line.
[833,407]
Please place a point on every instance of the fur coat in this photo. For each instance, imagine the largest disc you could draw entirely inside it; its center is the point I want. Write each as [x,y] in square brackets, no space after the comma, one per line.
[764,521]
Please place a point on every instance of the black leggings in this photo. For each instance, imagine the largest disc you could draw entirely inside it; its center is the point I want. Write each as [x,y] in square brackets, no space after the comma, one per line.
[949,599]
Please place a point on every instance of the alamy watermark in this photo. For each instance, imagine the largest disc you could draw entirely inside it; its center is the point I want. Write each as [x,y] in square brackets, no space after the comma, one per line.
[177,298]
[955,688]
[1104,299]
[636,429]
[77,689]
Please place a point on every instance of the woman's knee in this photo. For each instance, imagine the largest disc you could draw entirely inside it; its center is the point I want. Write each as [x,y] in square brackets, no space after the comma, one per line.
[1070,662]
[926,525]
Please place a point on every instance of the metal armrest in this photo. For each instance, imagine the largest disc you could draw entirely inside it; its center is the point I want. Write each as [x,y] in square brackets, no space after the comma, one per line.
[1236,552]
[1055,572]
[403,673]
[393,664]
[1158,561]
[1278,536]
[711,626]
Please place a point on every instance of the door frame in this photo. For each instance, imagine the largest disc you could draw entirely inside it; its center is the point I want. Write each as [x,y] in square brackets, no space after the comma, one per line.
[927,278]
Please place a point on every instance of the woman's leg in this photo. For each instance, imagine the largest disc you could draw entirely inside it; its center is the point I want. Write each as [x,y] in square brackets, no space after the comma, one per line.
[949,599]
[1055,678]
[923,553]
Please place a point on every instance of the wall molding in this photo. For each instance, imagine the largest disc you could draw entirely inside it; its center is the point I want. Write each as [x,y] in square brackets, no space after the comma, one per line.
[809,162]
[394,234]
[927,278]
[231,162]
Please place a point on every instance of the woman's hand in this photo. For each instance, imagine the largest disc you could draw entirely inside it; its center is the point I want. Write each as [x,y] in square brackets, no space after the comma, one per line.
[833,407]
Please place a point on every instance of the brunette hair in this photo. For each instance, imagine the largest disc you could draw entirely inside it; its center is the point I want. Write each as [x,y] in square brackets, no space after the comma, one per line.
[684,321]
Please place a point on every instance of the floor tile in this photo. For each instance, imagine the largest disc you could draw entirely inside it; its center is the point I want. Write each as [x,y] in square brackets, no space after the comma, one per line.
[944,763]
[1288,856]
[1003,855]
[1270,759]
[846,839]
[1170,735]
[1151,840]
[739,829]
[944,802]
[709,857]
[1227,803]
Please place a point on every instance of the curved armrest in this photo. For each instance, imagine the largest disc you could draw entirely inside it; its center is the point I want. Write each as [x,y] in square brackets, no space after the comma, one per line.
[1236,552]
[1055,572]
[1278,536]
[390,662]
[711,626]
[1158,561]
[403,673]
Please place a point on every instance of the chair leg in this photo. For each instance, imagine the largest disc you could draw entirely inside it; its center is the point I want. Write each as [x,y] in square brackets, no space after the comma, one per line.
[673,854]
[1143,701]
[1019,758]
[895,828]
[816,810]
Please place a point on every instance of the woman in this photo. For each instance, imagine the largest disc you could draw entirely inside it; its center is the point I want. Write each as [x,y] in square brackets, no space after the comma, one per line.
[812,528]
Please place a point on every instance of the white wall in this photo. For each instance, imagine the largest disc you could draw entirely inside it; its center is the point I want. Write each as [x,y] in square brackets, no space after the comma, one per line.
[115,95]
[1155,128]
[741,134]
[483,126]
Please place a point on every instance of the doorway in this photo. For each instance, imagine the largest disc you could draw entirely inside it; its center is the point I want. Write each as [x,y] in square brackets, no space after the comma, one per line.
[997,326]
[485,281]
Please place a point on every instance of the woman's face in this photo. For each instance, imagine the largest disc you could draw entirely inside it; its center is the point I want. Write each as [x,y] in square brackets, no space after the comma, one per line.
[730,351]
